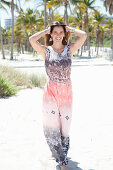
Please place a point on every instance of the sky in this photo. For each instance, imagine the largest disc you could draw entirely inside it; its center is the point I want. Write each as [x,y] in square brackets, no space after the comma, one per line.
[31,4]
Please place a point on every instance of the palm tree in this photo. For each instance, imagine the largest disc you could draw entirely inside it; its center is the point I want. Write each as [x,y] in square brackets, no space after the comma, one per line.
[78,21]
[5,36]
[98,19]
[19,37]
[3,54]
[2,6]
[66,3]
[59,3]
[109,6]
[28,21]
[44,3]
[86,4]
[102,34]
[22,21]
[50,4]
[13,6]
[12,37]
[45,13]
[110,29]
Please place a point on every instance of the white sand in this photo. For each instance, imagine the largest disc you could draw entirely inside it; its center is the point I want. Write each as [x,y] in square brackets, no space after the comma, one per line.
[22,143]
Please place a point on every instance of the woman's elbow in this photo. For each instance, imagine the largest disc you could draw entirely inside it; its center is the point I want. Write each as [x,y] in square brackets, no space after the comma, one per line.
[85,35]
[30,39]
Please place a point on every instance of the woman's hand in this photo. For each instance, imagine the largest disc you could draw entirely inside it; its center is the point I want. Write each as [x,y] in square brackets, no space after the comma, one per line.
[67,28]
[70,29]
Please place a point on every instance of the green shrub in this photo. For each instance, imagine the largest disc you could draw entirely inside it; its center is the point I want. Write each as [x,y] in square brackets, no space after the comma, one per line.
[6,88]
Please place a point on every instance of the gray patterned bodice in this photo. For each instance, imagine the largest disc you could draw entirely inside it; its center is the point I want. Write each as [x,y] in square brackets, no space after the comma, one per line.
[58,66]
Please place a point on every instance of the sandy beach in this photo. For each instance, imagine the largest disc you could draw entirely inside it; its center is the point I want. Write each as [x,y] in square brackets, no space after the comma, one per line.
[22,143]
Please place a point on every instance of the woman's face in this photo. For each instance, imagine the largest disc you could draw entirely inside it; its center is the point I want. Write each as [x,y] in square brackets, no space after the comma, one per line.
[58,34]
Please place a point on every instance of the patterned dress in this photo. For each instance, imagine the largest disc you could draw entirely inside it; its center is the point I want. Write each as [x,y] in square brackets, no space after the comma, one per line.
[57,103]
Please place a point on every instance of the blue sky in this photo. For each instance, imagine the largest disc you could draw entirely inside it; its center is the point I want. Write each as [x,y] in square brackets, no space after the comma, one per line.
[31,5]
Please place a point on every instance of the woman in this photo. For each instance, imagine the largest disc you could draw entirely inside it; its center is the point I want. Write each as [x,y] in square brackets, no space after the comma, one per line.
[57,98]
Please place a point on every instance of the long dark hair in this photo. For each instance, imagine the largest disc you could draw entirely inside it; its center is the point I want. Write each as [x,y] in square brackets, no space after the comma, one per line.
[48,39]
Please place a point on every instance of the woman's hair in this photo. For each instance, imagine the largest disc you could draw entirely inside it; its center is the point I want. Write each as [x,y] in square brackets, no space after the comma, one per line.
[48,38]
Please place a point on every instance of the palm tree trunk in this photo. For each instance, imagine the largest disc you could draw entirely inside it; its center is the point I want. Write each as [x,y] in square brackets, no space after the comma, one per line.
[3,54]
[111,40]
[81,51]
[66,14]
[112,44]
[28,44]
[12,36]
[97,48]
[22,48]
[25,43]
[50,15]
[97,40]
[87,30]
[45,13]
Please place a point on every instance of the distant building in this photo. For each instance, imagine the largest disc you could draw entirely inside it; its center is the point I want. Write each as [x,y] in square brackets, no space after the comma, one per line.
[8,23]
[108,17]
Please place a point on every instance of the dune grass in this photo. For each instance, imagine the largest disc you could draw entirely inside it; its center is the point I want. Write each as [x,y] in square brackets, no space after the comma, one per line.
[38,81]
[19,80]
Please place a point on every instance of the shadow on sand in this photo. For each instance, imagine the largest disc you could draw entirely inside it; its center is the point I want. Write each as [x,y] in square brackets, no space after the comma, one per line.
[72,165]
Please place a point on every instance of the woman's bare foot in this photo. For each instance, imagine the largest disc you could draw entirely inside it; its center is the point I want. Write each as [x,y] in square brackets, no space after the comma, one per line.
[63,167]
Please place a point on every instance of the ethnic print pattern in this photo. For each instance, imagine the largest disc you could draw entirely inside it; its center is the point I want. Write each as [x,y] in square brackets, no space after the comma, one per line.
[57,103]
[58,66]
[58,144]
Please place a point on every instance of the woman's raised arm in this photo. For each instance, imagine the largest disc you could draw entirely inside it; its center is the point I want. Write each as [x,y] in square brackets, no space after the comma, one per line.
[36,45]
[79,42]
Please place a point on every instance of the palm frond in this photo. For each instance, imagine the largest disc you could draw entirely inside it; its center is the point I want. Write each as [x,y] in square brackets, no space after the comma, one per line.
[5,3]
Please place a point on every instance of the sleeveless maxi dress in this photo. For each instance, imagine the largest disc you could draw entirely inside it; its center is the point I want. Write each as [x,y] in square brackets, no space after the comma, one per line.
[57,103]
